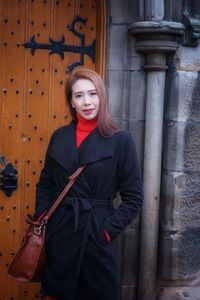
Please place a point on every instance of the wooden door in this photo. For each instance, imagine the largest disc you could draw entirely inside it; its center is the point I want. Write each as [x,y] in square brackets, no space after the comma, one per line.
[40,41]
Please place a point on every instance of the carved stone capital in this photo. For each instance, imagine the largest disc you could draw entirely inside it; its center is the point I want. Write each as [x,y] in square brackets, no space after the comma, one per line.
[192,30]
[155,39]
[156,36]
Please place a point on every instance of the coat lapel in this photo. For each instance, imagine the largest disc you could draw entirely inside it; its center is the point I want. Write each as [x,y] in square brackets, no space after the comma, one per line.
[94,148]
[64,149]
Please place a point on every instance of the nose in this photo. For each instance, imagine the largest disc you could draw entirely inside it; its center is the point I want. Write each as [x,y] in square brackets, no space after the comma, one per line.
[87,100]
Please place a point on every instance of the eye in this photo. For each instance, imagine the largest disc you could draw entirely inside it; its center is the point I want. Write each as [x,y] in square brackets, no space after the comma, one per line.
[94,93]
[78,96]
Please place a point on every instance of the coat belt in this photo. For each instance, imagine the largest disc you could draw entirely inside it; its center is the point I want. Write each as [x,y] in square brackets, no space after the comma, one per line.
[85,204]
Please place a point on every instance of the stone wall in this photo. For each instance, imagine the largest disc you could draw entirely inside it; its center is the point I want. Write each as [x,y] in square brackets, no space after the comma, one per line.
[179,259]
[125,80]
[179,235]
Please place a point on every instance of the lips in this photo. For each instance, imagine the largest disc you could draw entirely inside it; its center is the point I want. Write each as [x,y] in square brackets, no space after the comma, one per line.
[88,111]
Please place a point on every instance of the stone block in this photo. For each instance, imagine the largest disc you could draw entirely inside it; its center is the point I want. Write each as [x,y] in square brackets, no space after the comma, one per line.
[132,11]
[118,11]
[179,241]
[115,85]
[137,130]
[136,61]
[137,95]
[135,224]
[128,293]
[133,99]
[179,205]
[179,293]
[117,50]
[126,98]
[123,11]
[181,146]
[119,246]
[182,96]
[179,258]
[189,58]
[130,259]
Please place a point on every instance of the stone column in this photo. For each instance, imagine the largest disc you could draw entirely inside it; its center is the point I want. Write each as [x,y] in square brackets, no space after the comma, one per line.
[155,39]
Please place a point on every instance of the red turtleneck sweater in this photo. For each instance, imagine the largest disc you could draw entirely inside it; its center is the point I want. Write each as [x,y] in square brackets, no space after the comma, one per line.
[83,128]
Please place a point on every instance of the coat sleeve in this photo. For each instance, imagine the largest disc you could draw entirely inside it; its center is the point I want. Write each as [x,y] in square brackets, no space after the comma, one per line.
[45,185]
[129,184]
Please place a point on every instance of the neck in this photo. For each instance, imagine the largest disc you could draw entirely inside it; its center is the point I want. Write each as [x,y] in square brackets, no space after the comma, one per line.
[83,128]
[86,125]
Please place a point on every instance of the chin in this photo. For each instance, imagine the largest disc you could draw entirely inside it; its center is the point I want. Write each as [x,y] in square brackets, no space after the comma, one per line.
[89,117]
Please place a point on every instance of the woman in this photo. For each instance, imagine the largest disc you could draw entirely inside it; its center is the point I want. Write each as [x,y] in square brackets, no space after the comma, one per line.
[81,256]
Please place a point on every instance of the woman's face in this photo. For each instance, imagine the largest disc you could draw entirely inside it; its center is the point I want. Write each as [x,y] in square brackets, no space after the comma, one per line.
[85,99]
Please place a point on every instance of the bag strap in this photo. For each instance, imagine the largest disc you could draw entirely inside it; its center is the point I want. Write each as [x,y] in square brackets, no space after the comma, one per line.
[44,220]
[72,179]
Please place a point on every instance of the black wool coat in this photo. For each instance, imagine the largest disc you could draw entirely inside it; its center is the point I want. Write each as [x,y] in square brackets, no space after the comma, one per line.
[111,167]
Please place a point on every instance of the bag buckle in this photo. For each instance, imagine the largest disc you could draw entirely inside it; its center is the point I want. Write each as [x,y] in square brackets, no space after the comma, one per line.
[38,229]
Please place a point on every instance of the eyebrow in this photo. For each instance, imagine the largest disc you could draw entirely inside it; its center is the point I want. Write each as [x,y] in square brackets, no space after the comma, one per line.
[93,90]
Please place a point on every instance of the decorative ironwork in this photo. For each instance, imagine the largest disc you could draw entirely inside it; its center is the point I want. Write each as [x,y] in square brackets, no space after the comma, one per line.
[59,47]
[8,179]
[2,159]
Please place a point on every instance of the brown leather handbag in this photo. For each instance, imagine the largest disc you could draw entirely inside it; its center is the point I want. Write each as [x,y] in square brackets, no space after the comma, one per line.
[29,261]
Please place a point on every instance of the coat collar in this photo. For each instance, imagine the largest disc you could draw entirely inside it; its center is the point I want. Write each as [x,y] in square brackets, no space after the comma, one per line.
[94,148]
